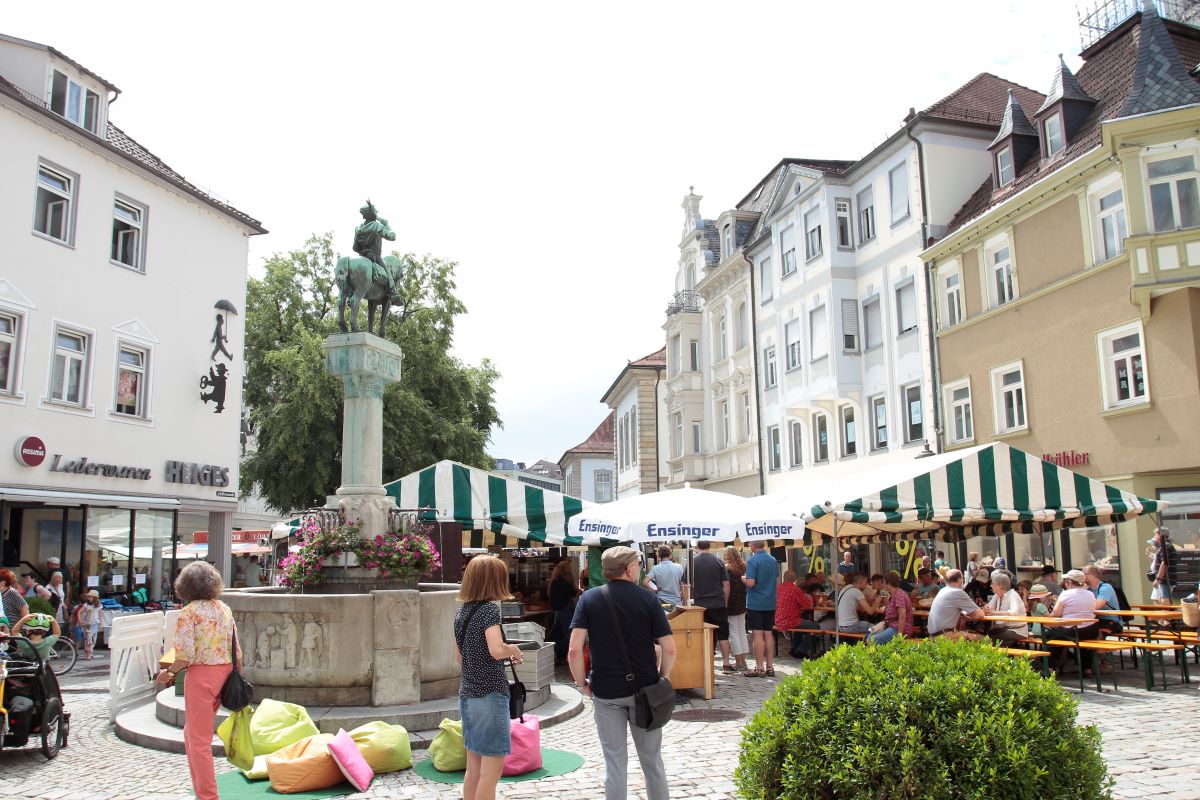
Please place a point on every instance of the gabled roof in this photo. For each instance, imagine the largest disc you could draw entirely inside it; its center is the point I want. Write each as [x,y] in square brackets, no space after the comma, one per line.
[1064,86]
[121,144]
[1108,75]
[1014,122]
[601,442]
[982,100]
[655,361]
[47,48]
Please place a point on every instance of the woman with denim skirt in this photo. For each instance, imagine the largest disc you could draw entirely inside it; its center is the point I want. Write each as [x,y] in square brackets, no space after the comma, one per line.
[483,693]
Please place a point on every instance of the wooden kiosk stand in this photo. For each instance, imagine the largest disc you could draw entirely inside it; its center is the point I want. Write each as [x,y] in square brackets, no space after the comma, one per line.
[693,650]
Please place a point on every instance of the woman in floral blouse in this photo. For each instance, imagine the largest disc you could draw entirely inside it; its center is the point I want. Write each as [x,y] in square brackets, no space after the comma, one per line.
[203,646]
[897,615]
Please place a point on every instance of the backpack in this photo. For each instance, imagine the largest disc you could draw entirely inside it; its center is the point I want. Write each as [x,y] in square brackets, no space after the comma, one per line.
[1122,600]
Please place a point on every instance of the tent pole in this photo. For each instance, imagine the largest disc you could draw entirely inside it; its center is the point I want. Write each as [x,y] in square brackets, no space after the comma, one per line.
[837,588]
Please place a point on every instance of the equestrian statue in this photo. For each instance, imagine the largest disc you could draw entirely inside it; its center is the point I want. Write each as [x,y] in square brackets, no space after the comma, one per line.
[370,276]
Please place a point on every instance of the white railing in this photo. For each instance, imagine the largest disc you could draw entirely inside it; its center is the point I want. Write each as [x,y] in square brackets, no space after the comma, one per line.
[135,648]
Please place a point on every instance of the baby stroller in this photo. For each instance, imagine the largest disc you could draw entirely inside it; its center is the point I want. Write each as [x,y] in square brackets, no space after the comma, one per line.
[30,701]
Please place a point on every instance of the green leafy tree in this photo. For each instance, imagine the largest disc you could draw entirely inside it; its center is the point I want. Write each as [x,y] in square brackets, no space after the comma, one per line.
[440,408]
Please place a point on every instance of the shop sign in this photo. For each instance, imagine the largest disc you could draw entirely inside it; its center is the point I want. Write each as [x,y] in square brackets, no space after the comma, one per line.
[1067,458]
[191,472]
[85,467]
[31,451]
[237,537]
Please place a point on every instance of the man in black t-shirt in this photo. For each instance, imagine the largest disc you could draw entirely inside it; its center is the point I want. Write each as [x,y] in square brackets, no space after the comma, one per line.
[642,624]
[710,591]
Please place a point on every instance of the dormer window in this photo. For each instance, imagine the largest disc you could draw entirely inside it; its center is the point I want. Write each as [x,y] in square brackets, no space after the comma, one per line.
[1052,135]
[727,240]
[1004,166]
[75,102]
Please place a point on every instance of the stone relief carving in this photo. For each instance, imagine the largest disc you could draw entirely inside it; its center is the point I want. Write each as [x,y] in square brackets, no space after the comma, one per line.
[281,642]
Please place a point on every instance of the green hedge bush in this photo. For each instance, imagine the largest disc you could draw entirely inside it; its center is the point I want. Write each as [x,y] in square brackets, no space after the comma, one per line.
[936,720]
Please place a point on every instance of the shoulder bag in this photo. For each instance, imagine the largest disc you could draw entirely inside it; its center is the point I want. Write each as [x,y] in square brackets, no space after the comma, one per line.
[516,689]
[237,692]
[652,705]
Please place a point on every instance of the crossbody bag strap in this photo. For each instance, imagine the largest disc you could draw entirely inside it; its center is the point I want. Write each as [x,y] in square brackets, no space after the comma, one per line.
[620,636]
[467,623]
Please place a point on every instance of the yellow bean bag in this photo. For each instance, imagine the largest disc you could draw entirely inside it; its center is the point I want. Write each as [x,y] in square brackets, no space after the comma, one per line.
[385,747]
[275,725]
[305,766]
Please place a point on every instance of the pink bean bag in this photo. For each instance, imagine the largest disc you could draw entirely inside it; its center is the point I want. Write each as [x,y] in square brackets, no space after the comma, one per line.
[526,755]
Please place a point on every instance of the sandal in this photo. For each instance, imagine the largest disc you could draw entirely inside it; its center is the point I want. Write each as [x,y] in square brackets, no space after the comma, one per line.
[770,673]
[754,673]
[729,668]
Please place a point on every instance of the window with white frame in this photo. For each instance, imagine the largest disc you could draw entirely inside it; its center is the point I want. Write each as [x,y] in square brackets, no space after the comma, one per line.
[75,102]
[622,448]
[850,325]
[1000,263]
[766,284]
[726,434]
[10,332]
[132,366]
[818,332]
[689,277]
[872,323]
[879,423]
[820,438]
[1123,355]
[1052,135]
[774,449]
[845,235]
[791,339]
[812,234]
[693,355]
[952,300]
[866,215]
[796,451]
[676,435]
[602,480]
[1111,228]
[914,413]
[633,436]
[727,241]
[69,371]
[722,347]
[747,425]
[787,245]
[697,438]
[1008,397]
[1174,200]
[743,326]
[53,203]
[849,433]
[958,403]
[675,359]
[906,307]
[898,186]
[1004,166]
[770,368]
[128,233]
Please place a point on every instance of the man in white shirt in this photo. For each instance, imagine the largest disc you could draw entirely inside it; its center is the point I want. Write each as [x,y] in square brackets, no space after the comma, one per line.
[1006,602]
[950,605]
[853,608]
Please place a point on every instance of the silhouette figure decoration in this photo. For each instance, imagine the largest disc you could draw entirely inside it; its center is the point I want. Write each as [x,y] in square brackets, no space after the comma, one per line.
[216,378]
[219,338]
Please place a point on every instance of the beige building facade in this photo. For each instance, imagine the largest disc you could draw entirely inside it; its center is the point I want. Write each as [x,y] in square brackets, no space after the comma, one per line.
[1067,297]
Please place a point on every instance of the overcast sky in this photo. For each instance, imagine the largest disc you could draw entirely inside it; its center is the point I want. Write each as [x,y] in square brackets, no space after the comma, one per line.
[545,147]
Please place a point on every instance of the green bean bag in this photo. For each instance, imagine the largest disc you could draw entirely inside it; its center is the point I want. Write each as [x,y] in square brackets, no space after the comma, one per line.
[384,746]
[447,751]
[275,725]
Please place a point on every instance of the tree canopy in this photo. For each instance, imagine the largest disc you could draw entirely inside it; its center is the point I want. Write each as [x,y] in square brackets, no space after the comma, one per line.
[441,408]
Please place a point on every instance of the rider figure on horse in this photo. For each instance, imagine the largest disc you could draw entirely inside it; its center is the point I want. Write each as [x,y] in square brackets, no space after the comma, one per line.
[368,243]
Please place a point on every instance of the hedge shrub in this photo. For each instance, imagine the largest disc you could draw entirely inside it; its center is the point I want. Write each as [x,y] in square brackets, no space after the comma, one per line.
[936,720]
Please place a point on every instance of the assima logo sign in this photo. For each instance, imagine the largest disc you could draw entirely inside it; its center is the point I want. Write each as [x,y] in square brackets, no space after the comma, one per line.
[31,451]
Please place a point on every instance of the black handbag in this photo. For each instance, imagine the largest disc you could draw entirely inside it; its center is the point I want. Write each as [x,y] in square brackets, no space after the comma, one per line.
[237,693]
[653,705]
[517,692]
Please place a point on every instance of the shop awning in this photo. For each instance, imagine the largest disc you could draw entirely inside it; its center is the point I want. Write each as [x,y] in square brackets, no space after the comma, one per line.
[990,490]
[99,499]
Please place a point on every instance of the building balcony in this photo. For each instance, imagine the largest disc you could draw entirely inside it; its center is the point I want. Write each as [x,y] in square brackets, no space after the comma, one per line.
[687,300]
[688,469]
[1162,262]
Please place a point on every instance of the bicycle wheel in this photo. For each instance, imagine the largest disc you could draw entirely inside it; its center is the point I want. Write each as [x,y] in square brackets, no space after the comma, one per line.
[63,656]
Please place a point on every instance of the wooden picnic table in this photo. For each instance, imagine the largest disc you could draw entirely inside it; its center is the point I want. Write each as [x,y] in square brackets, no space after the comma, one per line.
[1047,623]
[1159,619]
[1153,606]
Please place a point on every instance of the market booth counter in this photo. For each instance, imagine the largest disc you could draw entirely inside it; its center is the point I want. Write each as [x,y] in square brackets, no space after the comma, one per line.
[693,650]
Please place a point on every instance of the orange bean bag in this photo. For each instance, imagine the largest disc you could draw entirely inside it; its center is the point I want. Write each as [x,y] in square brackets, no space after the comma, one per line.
[304,766]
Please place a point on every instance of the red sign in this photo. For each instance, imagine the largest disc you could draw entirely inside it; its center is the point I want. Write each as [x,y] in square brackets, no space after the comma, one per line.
[241,537]
[31,451]
[1067,459]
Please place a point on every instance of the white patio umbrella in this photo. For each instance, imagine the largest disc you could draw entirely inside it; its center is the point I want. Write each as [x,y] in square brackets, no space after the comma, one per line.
[682,515]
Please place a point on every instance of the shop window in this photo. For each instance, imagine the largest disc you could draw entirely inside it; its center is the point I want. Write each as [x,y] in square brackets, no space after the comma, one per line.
[1123,356]
[1182,520]
[69,373]
[1097,546]
[54,203]
[849,433]
[132,366]
[1174,199]
[879,426]
[10,337]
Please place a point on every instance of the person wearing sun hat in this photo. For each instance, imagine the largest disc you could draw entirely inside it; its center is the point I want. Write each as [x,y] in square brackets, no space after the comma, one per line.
[1075,602]
[89,620]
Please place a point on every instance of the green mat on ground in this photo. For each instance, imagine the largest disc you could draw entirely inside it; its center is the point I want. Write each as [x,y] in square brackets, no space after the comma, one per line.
[234,786]
[554,762]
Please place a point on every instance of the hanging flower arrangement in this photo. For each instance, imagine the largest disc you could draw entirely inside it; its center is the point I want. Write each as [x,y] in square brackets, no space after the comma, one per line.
[404,556]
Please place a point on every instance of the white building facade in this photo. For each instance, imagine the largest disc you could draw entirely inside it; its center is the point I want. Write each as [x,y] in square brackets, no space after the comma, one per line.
[120,338]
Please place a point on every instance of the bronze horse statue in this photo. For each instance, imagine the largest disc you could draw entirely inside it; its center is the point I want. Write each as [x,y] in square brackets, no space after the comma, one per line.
[356,280]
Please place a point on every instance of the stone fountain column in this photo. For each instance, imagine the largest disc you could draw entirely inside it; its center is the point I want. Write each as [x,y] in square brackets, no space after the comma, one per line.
[366,364]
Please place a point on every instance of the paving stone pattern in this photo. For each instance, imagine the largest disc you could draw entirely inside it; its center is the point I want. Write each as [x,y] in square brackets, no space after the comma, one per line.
[1148,741]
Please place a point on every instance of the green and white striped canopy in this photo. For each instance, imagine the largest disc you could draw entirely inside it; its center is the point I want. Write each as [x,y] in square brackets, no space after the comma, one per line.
[497,511]
[990,490]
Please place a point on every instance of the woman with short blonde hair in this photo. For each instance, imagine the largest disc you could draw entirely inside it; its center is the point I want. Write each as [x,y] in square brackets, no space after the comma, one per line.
[483,692]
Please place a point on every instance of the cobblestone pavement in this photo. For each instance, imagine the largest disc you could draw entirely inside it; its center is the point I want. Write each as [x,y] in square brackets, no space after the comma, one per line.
[1141,742]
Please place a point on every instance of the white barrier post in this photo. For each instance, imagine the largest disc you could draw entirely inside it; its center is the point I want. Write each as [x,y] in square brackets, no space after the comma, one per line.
[135,647]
